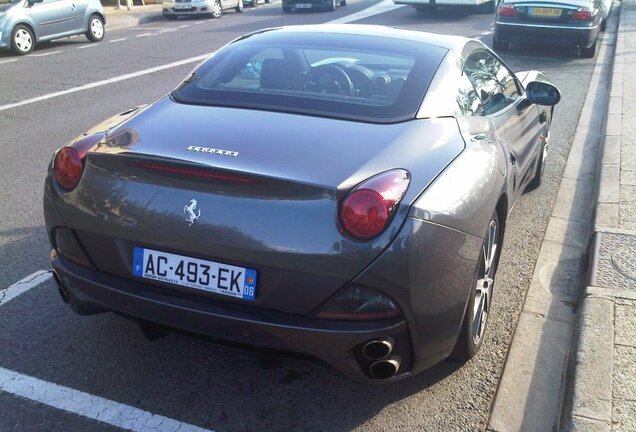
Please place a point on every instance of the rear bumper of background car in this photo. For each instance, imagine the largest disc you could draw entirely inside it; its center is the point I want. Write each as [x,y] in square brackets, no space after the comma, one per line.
[556,34]
[197,8]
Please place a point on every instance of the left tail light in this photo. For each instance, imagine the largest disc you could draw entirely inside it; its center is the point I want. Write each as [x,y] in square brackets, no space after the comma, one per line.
[369,207]
[582,14]
[506,9]
[68,164]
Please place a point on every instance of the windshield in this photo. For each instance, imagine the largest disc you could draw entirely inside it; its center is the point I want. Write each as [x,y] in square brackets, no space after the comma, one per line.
[344,76]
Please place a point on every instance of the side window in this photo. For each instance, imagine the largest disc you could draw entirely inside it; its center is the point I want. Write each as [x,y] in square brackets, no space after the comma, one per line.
[468,102]
[495,85]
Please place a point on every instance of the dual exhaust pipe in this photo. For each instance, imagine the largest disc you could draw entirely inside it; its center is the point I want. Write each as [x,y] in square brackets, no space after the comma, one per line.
[384,365]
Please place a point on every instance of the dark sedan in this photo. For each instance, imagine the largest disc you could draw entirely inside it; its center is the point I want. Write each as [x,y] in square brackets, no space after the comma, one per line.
[568,22]
[329,5]
[358,217]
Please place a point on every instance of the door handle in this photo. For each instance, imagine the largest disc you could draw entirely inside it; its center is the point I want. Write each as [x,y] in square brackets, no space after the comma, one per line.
[543,117]
[478,137]
[513,159]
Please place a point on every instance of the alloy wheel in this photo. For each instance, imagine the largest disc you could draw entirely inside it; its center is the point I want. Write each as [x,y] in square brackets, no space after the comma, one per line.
[485,282]
[97,28]
[23,40]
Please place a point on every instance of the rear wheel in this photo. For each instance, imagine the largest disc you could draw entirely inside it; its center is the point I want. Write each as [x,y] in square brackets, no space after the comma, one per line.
[589,52]
[239,6]
[538,173]
[498,44]
[471,335]
[95,32]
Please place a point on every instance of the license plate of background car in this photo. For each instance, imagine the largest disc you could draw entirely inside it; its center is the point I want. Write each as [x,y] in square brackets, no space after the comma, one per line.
[303,6]
[545,12]
[183,6]
[219,278]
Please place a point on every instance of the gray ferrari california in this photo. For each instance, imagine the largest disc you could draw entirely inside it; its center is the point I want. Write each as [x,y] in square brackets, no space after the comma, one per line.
[336,191]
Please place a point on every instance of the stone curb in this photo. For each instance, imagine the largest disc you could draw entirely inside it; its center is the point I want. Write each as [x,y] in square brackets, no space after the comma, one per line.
[532,389]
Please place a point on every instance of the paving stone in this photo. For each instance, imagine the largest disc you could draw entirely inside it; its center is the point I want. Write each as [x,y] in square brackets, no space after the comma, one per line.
[628,178]
[628,157]
[592,396]
[607,215]
[583,424]
[612,150]
[571,233]
[614,124]
[624,372]
[615,105]
[609,188]
[624,416]
[625,323]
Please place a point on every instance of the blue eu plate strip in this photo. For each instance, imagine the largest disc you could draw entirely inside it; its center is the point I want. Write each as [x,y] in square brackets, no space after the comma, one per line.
[138,262]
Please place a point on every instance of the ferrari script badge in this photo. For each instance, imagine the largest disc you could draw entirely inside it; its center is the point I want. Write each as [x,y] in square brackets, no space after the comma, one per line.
[191,211]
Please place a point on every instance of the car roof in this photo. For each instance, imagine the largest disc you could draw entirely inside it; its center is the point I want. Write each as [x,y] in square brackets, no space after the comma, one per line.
[454,43]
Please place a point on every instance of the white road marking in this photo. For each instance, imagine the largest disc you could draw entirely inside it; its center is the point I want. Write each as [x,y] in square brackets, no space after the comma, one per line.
[104,82]
[8,61]
[89,406]
[90,45]
[45,54]
[146,28]
[183,26]
[198,22]
[486,33]
[117,40]
[145,34]
[167,30]
[22,286]
[382,7]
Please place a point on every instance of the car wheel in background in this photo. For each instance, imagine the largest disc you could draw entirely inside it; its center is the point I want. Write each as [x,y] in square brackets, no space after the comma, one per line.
[426,8]
[589,52]
[332,6]
[253,4]
[22,40]
[217,9]
[498,44]
[169,16]
[239,6]
[343,2]
[538,173]
[471,335]
[95,32]
[487,8]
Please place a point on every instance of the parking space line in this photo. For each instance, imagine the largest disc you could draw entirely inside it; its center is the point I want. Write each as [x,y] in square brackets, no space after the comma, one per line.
[89,406]
[90,45]
[485,33]
[104,82]
[8,61]
[117,40]
[145,34]
[22,286]
[380,8]
[45,54]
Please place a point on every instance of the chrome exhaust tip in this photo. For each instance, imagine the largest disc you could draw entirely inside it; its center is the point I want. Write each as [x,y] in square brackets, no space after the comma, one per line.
[60,288]
[385,369]
[378,349]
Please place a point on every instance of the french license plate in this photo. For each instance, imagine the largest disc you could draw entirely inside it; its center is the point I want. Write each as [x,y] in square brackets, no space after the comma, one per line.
[195,273]
[545,12]
[182,6]
[303,6]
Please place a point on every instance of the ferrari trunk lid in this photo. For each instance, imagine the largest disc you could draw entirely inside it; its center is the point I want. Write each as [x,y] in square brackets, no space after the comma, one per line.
[251,189]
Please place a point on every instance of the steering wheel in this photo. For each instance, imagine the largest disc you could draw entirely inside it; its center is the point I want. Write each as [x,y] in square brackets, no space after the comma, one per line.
[329,78]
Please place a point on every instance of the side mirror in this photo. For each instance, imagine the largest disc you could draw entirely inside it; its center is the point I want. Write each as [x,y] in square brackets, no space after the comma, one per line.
[542,93]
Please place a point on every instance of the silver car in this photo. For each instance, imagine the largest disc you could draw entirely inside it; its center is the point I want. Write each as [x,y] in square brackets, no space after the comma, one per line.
[214,8]
[24,23]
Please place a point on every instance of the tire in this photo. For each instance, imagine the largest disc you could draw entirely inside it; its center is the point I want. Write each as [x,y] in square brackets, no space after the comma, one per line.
[498,44]
[239,6]
[286,9]
[217,9]
[343,2]
[538,172]
[170,17]
[471,334]
[332,6]
[22,40]
[253,4]
[589,52]
[96,30]
[487,8]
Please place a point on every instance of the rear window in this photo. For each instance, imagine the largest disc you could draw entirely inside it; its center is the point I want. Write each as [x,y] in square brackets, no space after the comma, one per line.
[355,77]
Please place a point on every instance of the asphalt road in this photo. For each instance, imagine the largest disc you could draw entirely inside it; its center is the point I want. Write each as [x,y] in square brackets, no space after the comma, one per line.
[209,386]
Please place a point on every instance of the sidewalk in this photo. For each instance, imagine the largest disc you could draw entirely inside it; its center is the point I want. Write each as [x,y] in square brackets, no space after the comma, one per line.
[604,373]
[138,14]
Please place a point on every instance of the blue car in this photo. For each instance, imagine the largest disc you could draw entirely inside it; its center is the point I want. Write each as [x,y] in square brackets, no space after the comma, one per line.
[24,23]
